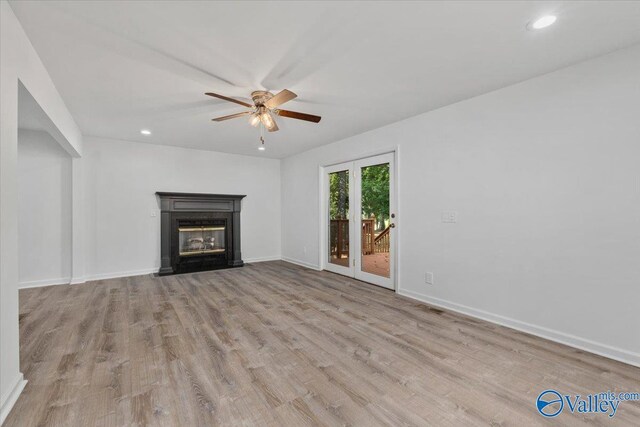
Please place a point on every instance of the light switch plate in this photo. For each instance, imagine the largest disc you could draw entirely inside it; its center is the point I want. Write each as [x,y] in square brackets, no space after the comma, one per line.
[428,278]
[449,216]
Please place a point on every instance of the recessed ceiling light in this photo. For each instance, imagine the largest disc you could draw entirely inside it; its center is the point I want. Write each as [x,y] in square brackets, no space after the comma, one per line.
[145,132]
[543,22]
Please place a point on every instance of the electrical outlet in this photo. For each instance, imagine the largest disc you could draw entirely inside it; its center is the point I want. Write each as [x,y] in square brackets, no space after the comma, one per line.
[428,278]
[449,216]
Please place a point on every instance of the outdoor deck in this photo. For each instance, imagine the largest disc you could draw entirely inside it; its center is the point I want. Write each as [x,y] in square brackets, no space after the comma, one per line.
[377,264]
[374,246]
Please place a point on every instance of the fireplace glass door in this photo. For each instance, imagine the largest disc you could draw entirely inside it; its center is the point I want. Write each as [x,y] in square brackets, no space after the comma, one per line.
[201,240]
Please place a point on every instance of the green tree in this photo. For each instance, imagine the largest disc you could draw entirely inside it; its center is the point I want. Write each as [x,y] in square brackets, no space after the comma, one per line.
[375,193]
[339,195]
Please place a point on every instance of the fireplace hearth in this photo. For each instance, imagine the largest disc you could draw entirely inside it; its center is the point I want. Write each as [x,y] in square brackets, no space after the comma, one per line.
[199,232]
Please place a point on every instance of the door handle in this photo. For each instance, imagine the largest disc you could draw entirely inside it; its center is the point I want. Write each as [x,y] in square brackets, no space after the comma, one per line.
[392,225]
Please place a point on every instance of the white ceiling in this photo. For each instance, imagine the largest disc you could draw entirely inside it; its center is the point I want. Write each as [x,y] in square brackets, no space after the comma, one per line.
[124,66]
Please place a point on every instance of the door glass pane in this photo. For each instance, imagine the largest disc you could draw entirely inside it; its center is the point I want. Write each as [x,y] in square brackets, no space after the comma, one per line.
[339,218]
[376,231]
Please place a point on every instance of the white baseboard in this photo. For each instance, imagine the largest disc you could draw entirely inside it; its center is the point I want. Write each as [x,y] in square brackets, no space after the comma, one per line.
[10,398]
[143,272]
[116,275]
[301,263]
[77,280]
[262,259]
[119,274]
[600,349]
[44,282]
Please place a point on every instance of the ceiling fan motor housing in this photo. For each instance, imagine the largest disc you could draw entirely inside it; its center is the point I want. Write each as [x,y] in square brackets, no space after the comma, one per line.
[260,97]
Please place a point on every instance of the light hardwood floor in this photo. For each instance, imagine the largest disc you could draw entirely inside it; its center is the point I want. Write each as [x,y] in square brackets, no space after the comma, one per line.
[277,344]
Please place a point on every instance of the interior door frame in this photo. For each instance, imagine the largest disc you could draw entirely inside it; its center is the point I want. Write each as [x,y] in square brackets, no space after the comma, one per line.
[324,209]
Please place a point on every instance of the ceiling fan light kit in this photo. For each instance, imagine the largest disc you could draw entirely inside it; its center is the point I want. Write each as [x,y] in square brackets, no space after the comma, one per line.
[268,121]
[254,120]
[264,108]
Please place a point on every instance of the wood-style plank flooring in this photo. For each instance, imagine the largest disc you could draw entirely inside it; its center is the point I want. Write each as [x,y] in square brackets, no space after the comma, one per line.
[277,344]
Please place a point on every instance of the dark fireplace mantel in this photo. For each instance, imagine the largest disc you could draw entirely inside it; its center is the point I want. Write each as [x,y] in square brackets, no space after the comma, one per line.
[193,211]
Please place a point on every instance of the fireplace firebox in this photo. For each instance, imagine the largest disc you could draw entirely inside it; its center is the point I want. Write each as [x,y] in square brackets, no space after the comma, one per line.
[200,240]
[199,232]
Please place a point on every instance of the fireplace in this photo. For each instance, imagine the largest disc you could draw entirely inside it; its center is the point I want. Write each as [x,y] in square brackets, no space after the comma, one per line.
[199,232]
[204,239]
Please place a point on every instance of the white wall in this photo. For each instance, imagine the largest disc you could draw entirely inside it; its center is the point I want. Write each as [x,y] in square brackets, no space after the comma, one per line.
[545,176]
[121,179]
[19,62]
[44,210]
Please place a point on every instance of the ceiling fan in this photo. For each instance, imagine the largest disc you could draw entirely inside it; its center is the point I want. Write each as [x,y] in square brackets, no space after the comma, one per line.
[264,108]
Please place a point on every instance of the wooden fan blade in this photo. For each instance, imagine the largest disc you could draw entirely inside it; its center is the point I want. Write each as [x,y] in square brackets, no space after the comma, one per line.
[299,116]
[226,98]
[280,98]
[232,116]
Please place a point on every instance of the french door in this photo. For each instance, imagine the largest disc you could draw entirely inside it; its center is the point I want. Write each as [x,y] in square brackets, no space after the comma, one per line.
[360,219]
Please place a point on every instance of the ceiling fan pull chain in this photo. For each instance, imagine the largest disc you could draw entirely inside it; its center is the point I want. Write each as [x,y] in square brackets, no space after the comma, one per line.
[261,147]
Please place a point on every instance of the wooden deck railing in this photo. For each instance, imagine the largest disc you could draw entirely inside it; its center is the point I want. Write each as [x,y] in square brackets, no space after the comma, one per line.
[370,243]
[368,236]
[382,241]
